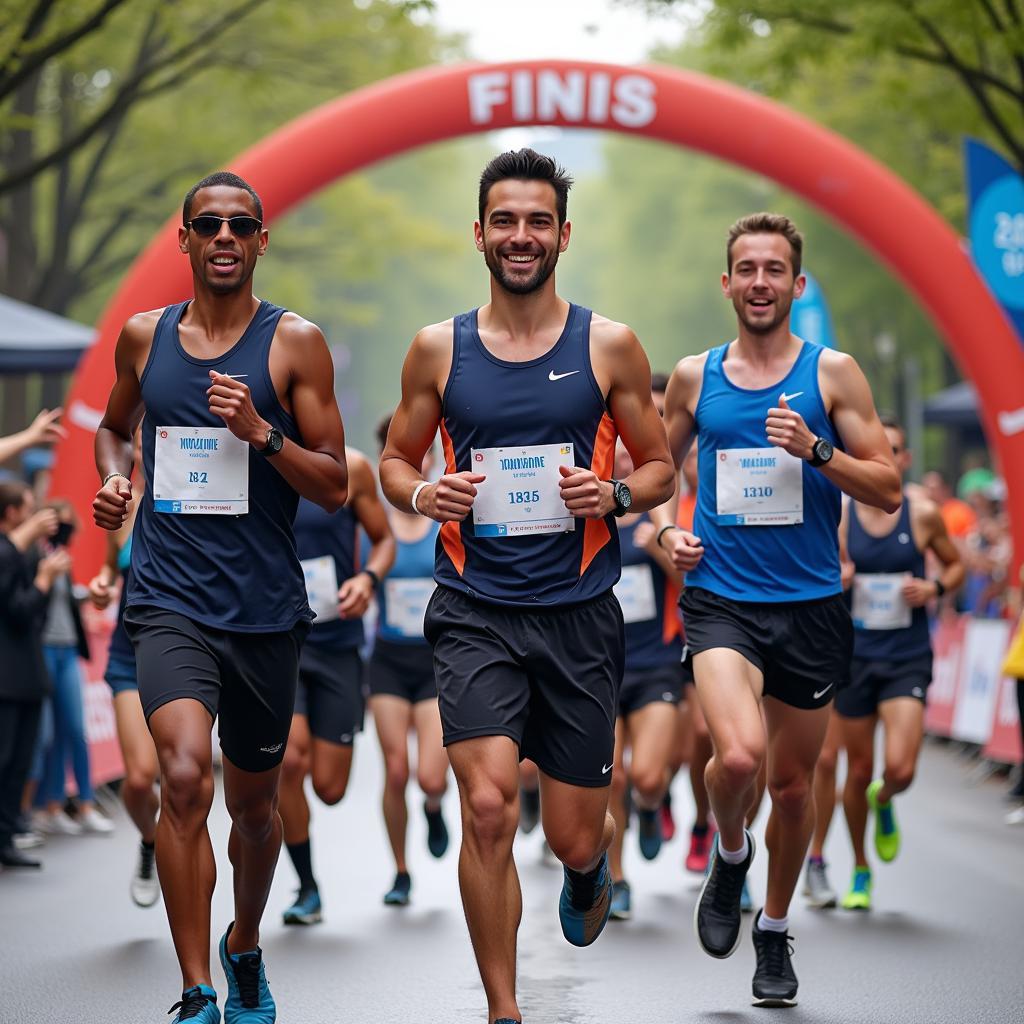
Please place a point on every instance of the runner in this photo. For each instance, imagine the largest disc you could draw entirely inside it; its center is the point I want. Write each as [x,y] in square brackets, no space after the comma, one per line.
[403,691]
[892,657]
[782,426]
[141,771]
[217,609]
[651,690]
[329,700]
[529,392]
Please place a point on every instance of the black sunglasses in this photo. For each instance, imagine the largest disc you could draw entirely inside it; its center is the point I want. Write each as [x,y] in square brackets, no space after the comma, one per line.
[207,225]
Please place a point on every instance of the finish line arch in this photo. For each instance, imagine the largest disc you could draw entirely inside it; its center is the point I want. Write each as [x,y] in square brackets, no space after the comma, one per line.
[671,105]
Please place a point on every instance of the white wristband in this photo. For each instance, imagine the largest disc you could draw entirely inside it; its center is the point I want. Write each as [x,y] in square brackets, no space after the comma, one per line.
[416,493]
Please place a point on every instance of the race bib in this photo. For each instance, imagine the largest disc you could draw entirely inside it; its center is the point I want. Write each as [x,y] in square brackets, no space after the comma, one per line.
[759,487]
[200,471]
[635,591]
[407,604]
[878,600]
[321,575]
[520,494]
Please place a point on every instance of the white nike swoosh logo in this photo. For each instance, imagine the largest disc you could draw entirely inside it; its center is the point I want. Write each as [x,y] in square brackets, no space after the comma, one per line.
[558,376]
[607,768]
[821,693]
[789,398]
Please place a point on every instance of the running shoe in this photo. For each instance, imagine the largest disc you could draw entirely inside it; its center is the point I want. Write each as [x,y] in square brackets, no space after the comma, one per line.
[529,810]
[307,908]
[701,840]
[398,894]
[29,840]
[746,901]
[775,982]
[585,903]
[887,832]
[199,1004]
[145,886]
[716,917]
[668,823]
[1015,817]
[859,896]
[621,902]
[649,833]
[94,822]
[249,1000]
[818,892]
[437,832]
[59,824]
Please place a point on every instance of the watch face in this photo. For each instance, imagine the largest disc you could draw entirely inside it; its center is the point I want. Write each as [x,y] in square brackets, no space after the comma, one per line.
[275,441]
[623,496]
[823,450]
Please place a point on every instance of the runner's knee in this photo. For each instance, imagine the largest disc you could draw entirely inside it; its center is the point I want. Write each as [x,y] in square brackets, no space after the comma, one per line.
[899,776]
[253,815]
[432,783]
[739,765]
[491,815]
[649,782]
[186,787]
[576,847]
[791,797]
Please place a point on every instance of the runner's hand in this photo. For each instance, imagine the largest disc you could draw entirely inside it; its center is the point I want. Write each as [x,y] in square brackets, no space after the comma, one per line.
[684,548]
[917,592]
[354,596]
[786,429]
[585,494]
[100,591]
[110,506]
[451,498]
[231,401]
[847,570]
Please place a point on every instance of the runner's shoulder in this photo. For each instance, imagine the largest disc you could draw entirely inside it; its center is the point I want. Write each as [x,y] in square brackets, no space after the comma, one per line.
[297,331]
[689,373]
[432,345]
[609,337]
[923,511]
[139,328]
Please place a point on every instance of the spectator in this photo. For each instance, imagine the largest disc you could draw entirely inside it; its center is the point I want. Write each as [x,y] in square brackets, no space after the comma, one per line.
[956,514]
[44,429]
[987,554]
[64,642]
[23,682]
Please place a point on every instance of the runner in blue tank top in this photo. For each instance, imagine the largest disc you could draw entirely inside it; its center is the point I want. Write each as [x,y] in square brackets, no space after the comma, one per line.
[529,392]
[403,688]
[240,420]
[329,700]
[782,427]
[892,656]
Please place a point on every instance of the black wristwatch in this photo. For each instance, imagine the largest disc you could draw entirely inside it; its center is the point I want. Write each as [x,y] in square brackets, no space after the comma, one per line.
[374,578]
[821,452]
[275,442]
[623,498]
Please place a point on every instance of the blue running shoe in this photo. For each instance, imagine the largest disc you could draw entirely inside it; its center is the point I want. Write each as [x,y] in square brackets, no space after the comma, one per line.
[398,894]
[307,908]
[198,1004]
[746,903]
[437,832]
[249,1000]
[649,832]
[622,904]
[585,903]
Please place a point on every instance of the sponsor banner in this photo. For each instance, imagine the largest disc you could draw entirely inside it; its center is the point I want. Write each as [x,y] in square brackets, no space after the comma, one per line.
[1004,743]
[947,647]
[105,762]
[984,649]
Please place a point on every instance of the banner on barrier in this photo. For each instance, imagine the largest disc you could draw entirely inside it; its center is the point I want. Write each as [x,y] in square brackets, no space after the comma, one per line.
[1004,743]
[984,649]
[947,648]
[105,762]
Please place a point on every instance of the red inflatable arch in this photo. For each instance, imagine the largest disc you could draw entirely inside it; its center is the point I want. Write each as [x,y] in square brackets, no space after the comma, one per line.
[687,109]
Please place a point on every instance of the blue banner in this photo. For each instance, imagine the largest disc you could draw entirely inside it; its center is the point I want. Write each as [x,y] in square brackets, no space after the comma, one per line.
[810,318]
[995,195]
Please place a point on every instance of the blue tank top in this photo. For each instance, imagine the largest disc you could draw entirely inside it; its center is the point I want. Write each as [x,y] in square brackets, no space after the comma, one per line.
[319,533]
[655,641]
[764,564]
[237,573]
[491,403]
[413,561]
[895,552]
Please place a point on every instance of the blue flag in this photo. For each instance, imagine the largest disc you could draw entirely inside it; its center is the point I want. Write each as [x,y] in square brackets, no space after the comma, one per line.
[810,318]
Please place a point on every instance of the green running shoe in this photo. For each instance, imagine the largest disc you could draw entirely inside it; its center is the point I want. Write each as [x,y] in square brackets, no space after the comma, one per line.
[887,832]
[859,896]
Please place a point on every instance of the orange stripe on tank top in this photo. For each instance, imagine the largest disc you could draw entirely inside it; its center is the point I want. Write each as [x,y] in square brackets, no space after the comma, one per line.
[451,533]
[595,532]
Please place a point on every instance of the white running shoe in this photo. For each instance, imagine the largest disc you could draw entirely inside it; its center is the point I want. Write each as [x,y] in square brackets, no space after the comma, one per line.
[1016,816]
[62,824]
[145,886]
[93,821]
[28,840]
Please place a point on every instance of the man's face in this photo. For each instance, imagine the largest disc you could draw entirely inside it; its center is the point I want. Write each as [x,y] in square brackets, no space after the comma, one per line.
[225,262]
[935,487]
[520,236]
[761,285]
[900,451]
[15,515]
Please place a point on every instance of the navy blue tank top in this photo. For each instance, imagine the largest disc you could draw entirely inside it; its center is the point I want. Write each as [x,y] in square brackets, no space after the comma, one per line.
[764,564]
[553,399]
[654,640]
[896,552]
[237,573]
[319,533]
[414,565]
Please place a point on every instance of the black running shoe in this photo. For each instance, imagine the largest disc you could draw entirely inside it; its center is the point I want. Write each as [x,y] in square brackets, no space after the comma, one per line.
[437,832]
[775,982]
[716,918]
[529,810]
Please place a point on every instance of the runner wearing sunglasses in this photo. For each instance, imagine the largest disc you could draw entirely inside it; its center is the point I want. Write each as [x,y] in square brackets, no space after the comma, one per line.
[240,421]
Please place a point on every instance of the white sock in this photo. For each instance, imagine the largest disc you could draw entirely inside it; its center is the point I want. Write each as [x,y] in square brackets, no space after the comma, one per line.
[734,856]
[772,924]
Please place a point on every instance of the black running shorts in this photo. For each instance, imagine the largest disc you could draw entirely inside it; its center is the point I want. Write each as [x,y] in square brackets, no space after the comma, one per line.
[644,686]
[330,693]
[871,682]
[548,679]
[402,670]
[245,680]
[802,648]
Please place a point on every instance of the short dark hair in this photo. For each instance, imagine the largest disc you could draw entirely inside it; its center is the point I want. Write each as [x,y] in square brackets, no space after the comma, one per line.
[659,382]
[12,495]
[219,178]
[526,165]
[767,224]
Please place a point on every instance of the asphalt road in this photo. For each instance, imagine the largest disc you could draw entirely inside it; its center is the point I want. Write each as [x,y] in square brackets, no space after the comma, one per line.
[943,943]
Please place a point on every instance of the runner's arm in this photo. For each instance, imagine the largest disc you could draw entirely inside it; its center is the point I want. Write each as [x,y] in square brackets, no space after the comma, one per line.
[928,519]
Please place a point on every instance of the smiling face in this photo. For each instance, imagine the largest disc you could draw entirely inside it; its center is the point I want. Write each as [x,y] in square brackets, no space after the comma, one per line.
[520,236]
[761,285]
[225,262]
